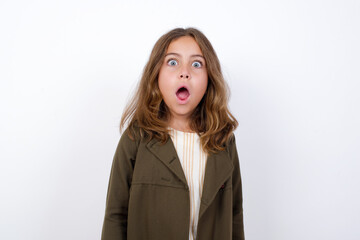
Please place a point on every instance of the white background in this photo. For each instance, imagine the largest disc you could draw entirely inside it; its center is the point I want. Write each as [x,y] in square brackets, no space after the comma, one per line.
[67,68]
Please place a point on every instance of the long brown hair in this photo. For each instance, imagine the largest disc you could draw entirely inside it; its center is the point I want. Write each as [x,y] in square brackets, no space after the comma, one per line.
[211,119]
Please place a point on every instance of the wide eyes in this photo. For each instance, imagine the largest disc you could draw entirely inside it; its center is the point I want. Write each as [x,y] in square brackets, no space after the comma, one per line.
[172,62]
[195,64]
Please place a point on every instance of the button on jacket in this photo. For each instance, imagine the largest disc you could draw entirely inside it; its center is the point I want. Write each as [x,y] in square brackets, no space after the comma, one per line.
[148,197]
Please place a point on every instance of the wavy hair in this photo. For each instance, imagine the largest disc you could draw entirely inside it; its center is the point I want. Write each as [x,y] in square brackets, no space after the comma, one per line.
[211,119]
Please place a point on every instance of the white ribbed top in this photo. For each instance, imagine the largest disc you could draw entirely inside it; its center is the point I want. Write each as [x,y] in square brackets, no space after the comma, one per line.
[193,161]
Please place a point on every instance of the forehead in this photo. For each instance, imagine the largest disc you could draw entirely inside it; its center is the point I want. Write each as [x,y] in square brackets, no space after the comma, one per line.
[184,46]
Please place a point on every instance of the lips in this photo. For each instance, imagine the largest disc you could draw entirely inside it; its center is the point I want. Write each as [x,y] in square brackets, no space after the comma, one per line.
[182,93]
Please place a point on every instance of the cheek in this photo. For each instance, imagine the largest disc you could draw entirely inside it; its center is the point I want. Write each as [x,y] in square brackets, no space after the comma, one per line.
[161,80]
[164,83]
[203,83]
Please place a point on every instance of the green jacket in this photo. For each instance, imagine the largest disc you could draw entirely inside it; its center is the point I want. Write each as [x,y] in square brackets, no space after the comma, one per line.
[148,197]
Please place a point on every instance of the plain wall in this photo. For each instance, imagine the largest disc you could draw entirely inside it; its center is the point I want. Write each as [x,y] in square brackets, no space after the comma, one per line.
[67,69]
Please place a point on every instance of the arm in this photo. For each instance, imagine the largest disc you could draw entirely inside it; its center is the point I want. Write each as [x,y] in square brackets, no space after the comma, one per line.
[238,223]
[115,221]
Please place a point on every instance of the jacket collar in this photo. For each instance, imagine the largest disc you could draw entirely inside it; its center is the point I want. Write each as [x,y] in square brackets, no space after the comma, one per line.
[218,169]
[167,154]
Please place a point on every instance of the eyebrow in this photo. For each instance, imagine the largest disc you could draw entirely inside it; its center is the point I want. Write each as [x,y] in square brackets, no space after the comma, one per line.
[194,55]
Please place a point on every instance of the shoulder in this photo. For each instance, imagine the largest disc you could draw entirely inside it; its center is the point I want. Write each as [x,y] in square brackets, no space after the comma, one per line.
[129,142]
[230,141]
[231,146]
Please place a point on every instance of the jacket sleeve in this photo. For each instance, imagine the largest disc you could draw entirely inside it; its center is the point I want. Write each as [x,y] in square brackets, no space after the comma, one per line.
[238,221]
[116,212]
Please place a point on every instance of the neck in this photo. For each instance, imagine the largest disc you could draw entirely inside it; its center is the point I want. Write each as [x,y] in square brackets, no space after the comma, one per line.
[179,125]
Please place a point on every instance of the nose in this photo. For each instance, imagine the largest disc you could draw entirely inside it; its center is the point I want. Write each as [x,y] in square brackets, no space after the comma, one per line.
[187,76]
[184,73]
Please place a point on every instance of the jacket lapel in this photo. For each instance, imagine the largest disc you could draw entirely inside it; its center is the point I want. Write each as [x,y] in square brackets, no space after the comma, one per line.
[167,154]
[218,169]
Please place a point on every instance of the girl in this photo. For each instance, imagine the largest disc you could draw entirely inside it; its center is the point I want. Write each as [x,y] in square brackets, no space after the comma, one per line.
[175,173]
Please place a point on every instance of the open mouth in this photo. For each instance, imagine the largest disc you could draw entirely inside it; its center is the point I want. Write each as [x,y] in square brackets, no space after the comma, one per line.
[183,93]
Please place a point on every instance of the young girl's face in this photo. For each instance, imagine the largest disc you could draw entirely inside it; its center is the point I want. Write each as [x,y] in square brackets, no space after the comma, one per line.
[183,77]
